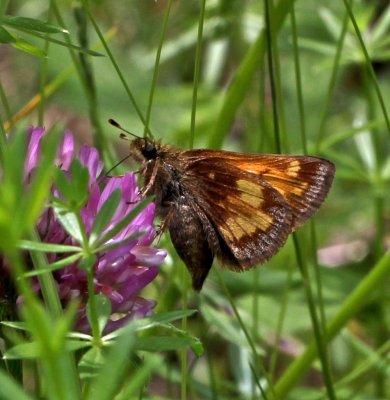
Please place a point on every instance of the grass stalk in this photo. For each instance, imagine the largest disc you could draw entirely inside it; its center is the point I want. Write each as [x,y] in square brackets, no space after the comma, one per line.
[243,77]
[156,67]
[359,297]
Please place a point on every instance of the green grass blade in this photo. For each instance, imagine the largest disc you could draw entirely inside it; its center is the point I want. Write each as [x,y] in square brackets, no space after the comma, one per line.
[357,299]
[242,80]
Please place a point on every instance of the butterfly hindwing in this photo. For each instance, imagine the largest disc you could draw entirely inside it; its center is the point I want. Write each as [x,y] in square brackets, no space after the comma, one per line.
[249,215]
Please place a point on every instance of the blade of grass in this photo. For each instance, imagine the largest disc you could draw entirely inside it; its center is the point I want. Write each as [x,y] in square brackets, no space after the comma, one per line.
[31,24]
[368,64]
[48,90]
[184,325]
[86,68]
[321,344]
[249,339]
[107,382]
[57,363]
[379,198]
[198,58]
[355,301]
[298,80]
[116,67]
[48,286]
[243,78]
[332,83]
[270,36]
[6,106]
[156,67]
[10,390]
[66,43]
[140,377]
[279,325]
[43,70]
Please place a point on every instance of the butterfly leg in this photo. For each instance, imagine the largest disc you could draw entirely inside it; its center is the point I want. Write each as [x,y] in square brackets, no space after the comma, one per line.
[163,227]
[146,189]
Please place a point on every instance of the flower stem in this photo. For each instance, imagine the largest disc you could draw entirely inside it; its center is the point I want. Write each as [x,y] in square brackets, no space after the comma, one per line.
[93,318]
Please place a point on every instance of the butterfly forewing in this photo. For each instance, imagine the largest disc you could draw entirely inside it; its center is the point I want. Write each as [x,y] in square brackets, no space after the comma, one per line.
[303,181]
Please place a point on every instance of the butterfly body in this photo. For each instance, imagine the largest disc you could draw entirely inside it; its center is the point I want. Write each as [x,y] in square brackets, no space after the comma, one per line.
[236,207]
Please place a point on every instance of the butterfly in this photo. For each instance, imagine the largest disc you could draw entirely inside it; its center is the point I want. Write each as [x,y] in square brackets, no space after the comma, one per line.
[236,207]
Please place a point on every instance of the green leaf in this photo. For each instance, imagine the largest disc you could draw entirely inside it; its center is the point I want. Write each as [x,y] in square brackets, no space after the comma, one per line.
[151,363]
[68,45]
[75,345]
[27,47]
[156,344]
[5,36]
[73,188]
[124,222]
[333,24]
[11,191]
[170,316]
[79,180]
[155,320]
[41,31]
[23,351]
[106,384]
[31,24]
[382,26]
[91,363]
[175,332]
[70,223]
[162,318]
[105,215]
[103,310]
[49,345]
[226,325]
[10,389]
[47,247]
[317,46]
[55,265]
[15,325]
[386,169]
[62,182]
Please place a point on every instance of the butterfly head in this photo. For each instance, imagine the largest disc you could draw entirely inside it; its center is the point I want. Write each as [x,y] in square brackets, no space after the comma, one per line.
[141,148]
[145,149]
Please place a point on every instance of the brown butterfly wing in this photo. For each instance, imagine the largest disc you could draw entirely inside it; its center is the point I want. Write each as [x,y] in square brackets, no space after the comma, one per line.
[191,235]
[303,181]
[252,219]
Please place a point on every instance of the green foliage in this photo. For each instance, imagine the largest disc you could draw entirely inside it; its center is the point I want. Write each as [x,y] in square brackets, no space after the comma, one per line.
[311,324]
[35,28]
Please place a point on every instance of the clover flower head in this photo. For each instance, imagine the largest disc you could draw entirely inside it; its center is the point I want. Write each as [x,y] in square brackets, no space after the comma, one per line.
[120,272]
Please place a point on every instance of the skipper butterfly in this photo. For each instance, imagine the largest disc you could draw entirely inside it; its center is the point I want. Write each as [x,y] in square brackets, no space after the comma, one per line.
[236,207]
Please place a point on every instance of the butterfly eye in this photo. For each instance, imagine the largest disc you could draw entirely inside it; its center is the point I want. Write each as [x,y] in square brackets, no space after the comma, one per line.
[149,151]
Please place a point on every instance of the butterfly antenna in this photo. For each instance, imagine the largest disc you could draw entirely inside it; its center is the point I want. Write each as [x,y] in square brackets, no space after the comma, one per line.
[118,163]
[122,135]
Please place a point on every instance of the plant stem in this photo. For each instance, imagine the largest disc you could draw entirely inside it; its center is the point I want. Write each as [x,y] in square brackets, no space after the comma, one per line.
[357,299]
